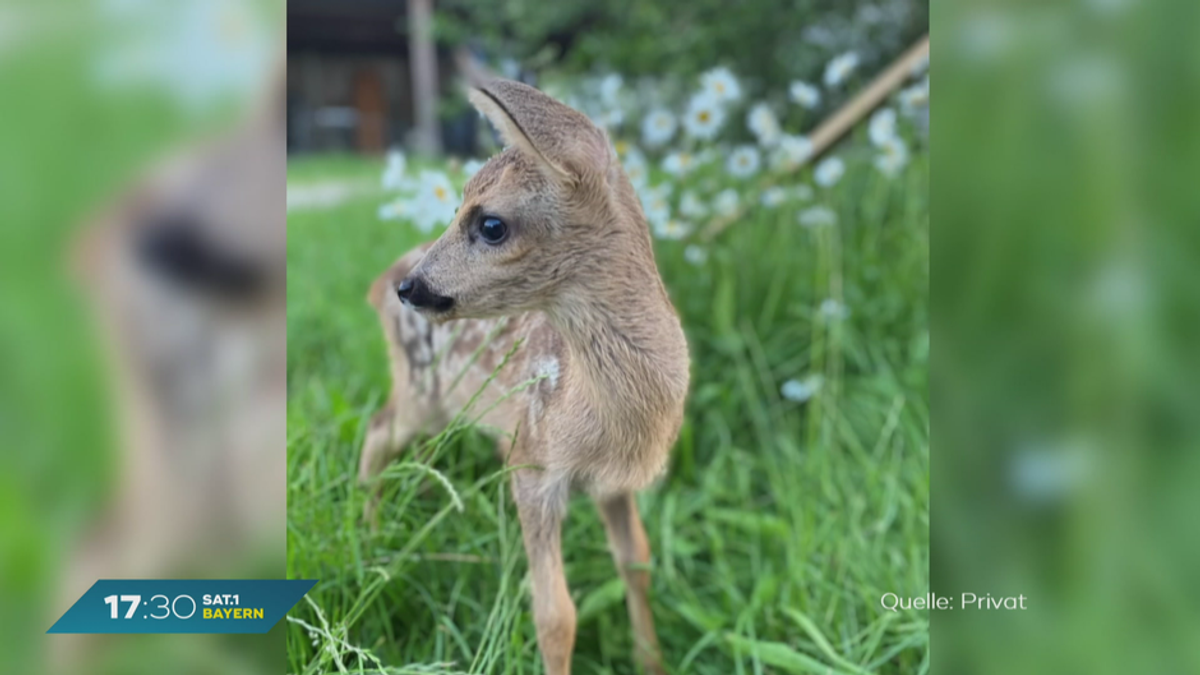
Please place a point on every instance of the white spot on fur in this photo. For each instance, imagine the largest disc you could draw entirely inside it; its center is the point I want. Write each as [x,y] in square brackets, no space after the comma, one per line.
[547,369]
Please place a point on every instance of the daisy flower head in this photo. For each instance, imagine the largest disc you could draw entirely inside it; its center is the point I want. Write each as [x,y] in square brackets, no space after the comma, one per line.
[610,89]
[743,161]
[435,201]
[690,205]
[833,310]
[764,124]
[800,391]
[804,94]
[803,192]
[679,163]
[658,127]
[915,98]
[882,126]
[773,196]
[672,229]
[695,254]
[829,172]
[839,69]
[610,119]
[393,175]
[395,209]
[726,202]
[892,157]
[656,202]
[704,117]
[721,85]
[793,151]
[635,167]
[818,216]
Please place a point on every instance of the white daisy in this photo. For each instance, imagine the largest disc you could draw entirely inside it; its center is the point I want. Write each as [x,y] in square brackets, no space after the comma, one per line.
[704,117]
[805,94]
[793,151]
[773,196]
[882,126]
[679,163]
[435,201]
[915,98]
[833,310]
[743,161]
[695,255]
[829,172]
[892,157]
[610,89]
[656,202]
[840,68]
[726,202]
[721,85]
[610,119]
[672,229]
[635,167]
[818,216]
[690,205]
[393,175]
[658,127]
[803,192]
[800,391]
[395,209]
[161,48]
[764,124]
[472,167]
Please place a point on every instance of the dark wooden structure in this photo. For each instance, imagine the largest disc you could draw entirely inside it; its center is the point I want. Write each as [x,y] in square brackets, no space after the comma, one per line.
[351,77]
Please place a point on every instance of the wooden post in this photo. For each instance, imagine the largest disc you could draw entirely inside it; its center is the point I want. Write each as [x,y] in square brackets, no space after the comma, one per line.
[422,52]
[868,99]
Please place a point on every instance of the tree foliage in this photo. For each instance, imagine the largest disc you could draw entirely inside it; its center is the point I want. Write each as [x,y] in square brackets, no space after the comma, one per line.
[769,42]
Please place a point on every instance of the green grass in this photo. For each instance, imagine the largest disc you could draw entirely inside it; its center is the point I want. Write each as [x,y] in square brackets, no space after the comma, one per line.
[776,530]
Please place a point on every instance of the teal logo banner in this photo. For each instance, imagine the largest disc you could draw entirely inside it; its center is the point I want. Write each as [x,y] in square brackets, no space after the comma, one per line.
[182,606]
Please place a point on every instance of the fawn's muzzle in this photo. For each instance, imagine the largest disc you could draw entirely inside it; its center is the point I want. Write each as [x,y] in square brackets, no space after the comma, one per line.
[415,293]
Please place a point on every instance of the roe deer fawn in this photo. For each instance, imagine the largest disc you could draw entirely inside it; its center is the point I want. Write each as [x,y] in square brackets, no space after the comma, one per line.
[550,245]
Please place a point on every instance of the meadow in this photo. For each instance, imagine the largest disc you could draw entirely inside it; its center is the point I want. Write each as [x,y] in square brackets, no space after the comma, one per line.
[798,492]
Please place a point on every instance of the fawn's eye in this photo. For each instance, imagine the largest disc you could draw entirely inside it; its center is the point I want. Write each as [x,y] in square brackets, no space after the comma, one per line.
[493,230]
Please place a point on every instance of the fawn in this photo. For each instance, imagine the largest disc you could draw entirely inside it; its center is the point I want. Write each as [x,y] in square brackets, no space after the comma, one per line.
[550,246]
[184,271]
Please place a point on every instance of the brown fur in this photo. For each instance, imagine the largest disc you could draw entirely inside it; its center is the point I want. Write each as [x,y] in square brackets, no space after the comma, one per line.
[577,281]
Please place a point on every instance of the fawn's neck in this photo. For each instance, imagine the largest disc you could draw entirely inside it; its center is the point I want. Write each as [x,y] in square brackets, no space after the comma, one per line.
[625,341]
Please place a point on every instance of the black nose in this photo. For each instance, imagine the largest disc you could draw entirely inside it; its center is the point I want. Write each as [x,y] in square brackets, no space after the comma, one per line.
[414,292]
[405,289]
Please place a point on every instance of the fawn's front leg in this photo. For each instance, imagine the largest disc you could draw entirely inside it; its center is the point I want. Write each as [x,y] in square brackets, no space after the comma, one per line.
[631,552]
[541,504]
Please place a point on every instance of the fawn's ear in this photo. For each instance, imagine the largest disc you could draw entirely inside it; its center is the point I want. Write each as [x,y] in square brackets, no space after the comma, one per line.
[563,140]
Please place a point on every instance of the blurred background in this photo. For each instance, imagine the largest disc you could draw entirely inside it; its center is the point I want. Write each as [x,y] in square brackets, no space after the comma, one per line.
[1064,329]
[142,292]
[1062,308]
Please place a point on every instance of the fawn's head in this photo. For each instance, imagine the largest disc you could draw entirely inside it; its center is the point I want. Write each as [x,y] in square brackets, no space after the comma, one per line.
[552,207]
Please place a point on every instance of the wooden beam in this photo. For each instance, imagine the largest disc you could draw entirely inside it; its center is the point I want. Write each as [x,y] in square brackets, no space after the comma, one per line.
[842,121]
